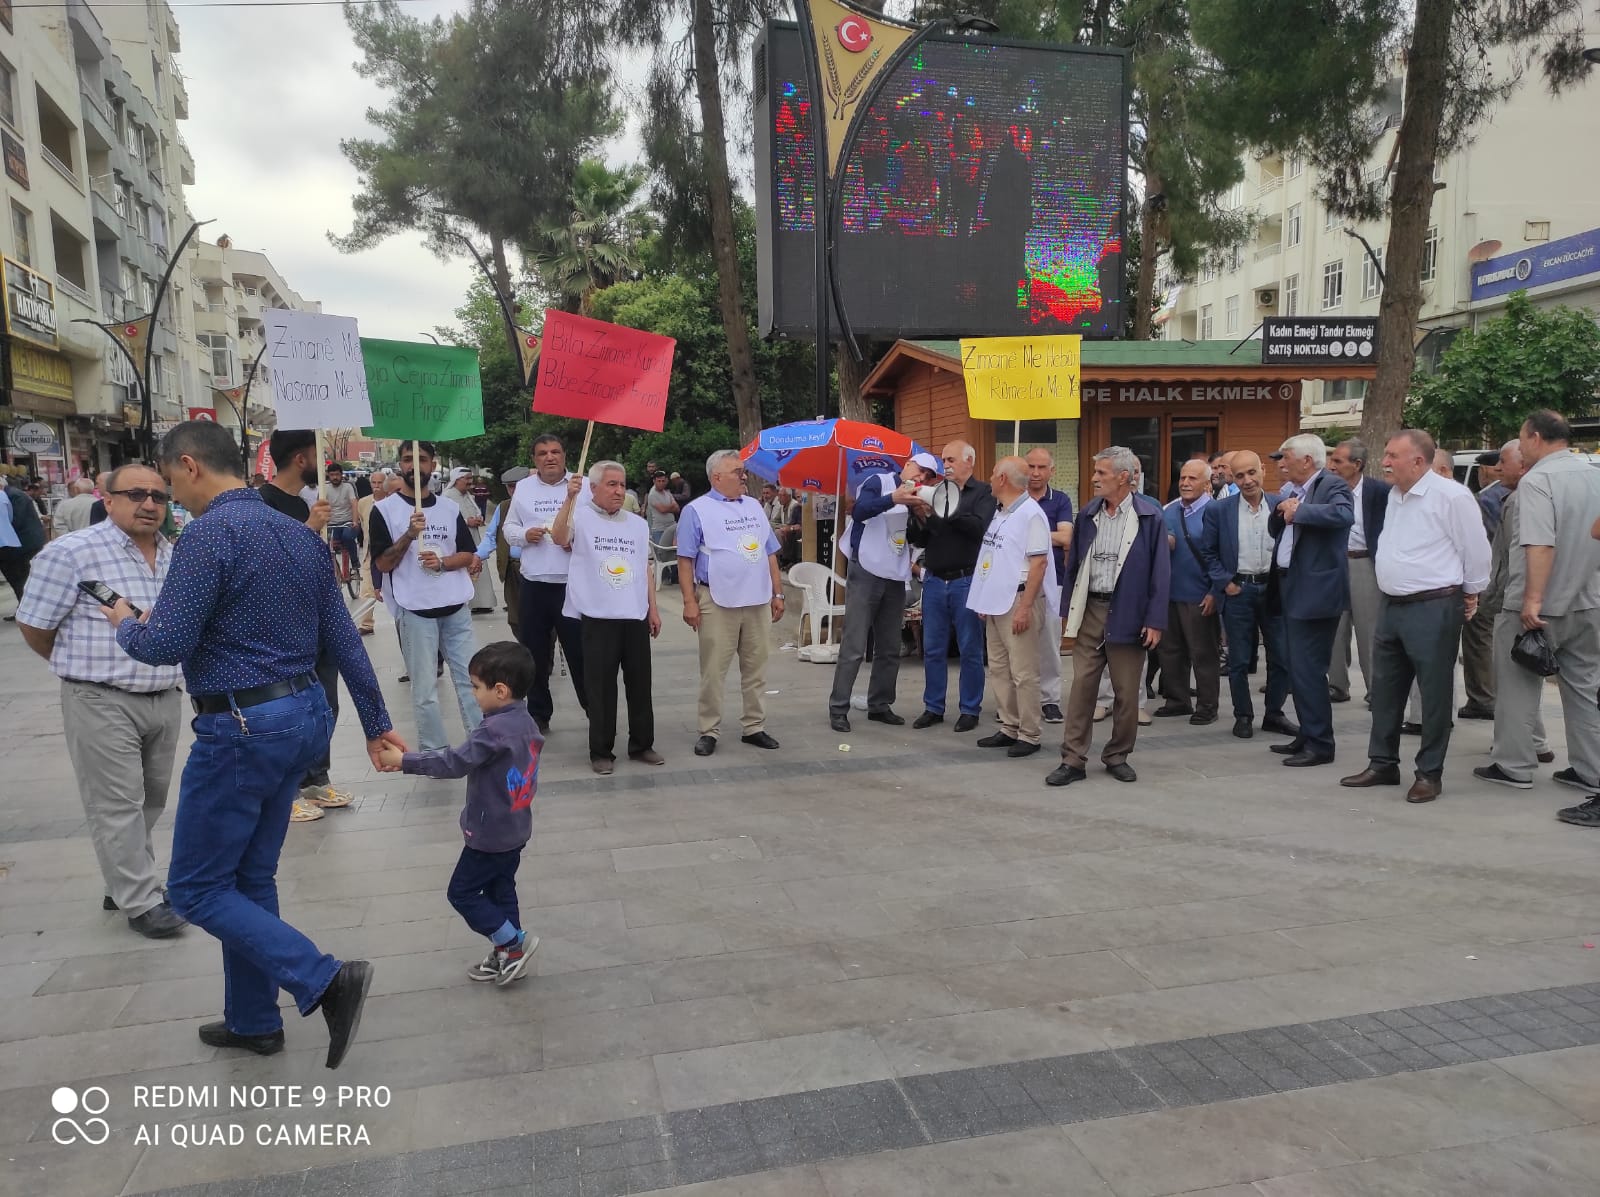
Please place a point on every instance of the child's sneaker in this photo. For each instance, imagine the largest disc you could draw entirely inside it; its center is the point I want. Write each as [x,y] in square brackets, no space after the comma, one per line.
[488,969]
[513,959]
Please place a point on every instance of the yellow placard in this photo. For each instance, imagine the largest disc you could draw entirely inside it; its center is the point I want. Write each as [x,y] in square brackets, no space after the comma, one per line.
[1022,378]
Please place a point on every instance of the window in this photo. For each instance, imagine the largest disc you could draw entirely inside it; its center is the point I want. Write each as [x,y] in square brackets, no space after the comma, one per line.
[1329,219]
[1235,258]
[8,94]
[157,375]
[1230,315]
[1208,269]
[133,139]
[22,234]
[142,219]
[130,280]
[1536,230]
[1235,196]
[1291,295]
[224,357]
[1332,285]
[1296,166]
[1430,255]
[1291,226]
[1349,393]
[147,293]
[1371,283]
[1206,322]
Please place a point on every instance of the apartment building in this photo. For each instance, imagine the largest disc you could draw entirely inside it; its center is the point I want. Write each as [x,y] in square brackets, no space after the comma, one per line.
[1516,208]
[232,288]
[91,223]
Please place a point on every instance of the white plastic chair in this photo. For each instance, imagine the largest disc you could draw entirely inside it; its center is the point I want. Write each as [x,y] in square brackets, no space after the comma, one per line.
[663,554]
[814,583]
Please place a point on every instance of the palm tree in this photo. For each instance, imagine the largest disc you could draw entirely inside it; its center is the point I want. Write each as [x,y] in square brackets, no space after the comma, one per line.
[599,243]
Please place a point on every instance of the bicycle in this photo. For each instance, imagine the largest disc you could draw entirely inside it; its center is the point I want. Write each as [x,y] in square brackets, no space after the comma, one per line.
[346,559]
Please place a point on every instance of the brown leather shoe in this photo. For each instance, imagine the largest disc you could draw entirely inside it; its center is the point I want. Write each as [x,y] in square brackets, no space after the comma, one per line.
[648,756]
[1424,789]
[602,765]
[1372,776]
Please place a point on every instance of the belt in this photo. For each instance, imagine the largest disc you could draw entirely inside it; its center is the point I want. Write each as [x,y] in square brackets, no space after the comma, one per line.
[951,575]
[212,704]
[1100,596]
[1358,553]
[78,681]
[1253,579]
[1423,596]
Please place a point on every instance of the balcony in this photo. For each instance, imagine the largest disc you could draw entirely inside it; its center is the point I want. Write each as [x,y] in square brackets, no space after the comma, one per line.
[180,95]
[60,167]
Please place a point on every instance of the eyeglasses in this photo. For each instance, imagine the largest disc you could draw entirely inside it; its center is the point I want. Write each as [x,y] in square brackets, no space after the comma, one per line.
[139,494]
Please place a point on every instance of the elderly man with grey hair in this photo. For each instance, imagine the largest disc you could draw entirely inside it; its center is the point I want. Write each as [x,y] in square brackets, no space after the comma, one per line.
[611,591]
[1310,528]
[728,572]
[1369,500]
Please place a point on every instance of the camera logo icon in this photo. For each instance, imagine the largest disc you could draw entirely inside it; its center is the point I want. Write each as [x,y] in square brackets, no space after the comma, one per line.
[92,1101]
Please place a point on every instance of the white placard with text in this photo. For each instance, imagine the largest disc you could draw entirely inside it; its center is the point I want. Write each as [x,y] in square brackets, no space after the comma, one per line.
[318,379]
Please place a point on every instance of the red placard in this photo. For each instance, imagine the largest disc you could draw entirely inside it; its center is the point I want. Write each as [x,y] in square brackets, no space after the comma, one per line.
[592,370]
[207,414]
[264,465]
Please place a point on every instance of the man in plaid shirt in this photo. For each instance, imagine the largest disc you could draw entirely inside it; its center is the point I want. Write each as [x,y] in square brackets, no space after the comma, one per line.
[120,716]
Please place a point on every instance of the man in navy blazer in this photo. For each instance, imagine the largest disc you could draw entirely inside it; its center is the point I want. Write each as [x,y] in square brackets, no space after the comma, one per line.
[1311,584]
[1371,504]
[1236,546]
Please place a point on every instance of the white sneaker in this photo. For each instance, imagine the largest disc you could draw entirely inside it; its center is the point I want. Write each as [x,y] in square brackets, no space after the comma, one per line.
[1145,718]
[1100,714]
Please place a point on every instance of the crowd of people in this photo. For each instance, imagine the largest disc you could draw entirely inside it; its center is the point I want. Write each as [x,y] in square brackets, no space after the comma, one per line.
[244,611]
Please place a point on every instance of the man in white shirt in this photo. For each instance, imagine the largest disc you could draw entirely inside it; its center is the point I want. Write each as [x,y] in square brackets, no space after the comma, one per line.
[1015,569]
[544,564]
[1432,564]
[72,513]
[728,572]
[611,589]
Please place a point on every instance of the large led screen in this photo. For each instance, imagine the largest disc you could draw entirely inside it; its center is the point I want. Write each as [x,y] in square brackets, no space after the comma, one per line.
[984,195]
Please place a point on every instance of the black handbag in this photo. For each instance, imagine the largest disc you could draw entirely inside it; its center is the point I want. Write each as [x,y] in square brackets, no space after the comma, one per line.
[1532,651]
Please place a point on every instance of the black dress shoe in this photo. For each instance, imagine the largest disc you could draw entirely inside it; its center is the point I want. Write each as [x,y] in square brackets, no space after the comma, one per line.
[1170,710]
[216,1034]
[1373,775]
[1471,712]
[1338,695]
[926,719]
[1122,771]
[998,740]
[107,904]
[1293,746]
[839,723]
[1202,718]
[886,716]
[1411,729]
[543,725]
[1065,775]
[158,922]
[705,746]
[341,1004]
[1022,748]
[966,723]
[758,739]
[1304,760]
[1243,727]
[1278,725]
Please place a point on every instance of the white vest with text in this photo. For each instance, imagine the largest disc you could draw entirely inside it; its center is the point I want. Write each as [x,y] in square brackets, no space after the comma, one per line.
[535,504]
[883,550]
[1003,559]
[733,537]
[413,587]
[610,566]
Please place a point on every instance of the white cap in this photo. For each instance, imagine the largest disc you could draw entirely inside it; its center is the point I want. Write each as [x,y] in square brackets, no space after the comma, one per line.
[928,462]
[458,473]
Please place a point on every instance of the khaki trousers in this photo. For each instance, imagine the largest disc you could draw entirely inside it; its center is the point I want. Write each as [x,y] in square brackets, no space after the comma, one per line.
[726,632]
[1014,672]
[367,592]
[1090,657]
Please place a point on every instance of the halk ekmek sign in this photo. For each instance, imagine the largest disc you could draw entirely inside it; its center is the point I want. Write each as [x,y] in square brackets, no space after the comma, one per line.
[1553,262]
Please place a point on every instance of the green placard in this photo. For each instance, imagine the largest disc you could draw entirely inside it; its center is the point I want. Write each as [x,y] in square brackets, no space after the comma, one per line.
[422,392]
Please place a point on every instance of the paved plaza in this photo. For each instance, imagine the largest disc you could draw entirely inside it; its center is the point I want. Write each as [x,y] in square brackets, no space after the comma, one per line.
[887,963]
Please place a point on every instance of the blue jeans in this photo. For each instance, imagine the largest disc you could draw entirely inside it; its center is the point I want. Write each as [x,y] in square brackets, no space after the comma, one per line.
[1244,616]
[234,799]
[483,889]
[944,604]
[422,641]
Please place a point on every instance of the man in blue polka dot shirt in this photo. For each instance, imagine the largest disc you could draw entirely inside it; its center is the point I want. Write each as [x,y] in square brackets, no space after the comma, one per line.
[249,602]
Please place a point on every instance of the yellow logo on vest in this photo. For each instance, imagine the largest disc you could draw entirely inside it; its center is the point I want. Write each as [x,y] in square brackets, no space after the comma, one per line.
[749,548]
[616,573]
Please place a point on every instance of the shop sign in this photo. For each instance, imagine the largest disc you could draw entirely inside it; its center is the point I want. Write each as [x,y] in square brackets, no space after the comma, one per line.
[16,159]
[1191,392]
[1552,262]
[36,438]
[1313,341]
[133,415]
[30,304]
[40,373]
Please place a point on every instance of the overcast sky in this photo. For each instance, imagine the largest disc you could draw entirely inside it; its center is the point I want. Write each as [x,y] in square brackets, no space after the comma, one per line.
[272,90]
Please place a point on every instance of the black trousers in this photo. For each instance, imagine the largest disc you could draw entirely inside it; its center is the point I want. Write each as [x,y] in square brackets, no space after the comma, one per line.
[483,889]
[610,645]
[328,675]
[1192,640]
[14,567]
[539,622]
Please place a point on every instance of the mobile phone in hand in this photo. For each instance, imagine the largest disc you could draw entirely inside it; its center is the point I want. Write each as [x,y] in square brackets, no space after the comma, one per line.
[106,596]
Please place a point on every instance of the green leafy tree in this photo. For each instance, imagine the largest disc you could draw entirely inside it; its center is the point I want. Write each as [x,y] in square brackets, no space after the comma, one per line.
[1493,377]
[1324,78]
[492,111]
[599,242]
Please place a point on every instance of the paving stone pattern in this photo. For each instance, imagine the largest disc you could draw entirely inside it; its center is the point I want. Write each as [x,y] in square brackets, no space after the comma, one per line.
[641,1155]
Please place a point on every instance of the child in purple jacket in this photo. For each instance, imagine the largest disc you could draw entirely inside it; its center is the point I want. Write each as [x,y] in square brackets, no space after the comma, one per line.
[500,761]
